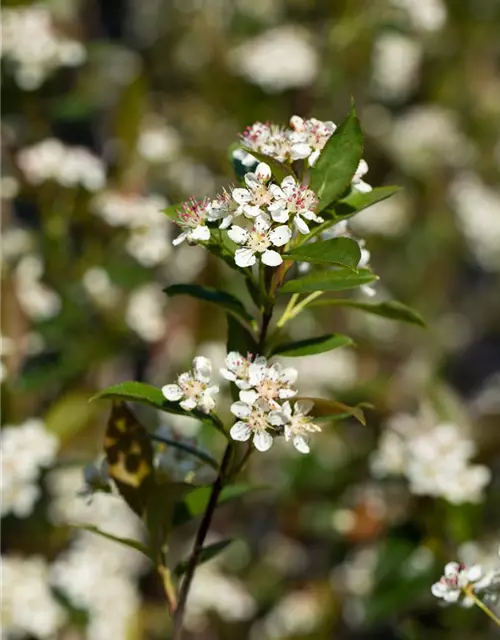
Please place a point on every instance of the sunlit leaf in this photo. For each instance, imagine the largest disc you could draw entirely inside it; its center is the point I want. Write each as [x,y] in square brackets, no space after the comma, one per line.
[329,280]
[343,252]
[392,309]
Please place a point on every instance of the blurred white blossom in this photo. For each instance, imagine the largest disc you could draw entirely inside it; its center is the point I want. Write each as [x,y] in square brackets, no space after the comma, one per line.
[424,15]
[36,298]
[434,457]
[157,142]
[28,606]
[279,59]
[68,166]
[297,614]
[33,47]
[396,62]
[25,450]
[145,312]
[100,288]
[460,581]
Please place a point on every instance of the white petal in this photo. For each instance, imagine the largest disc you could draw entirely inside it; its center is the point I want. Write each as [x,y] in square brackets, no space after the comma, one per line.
[243,384]
[261,224]
[277,192]
[234,360]
[301,225]
[297,123]
[249,397]
[451,569]
[280,236]
[252,181]
[202,232]
[245,258]
[279,212]
[228,375]
[240,431]
[262,440]
[287,410]
[263,172]
[252,211]
[276,418]
[300,444]
[172,392]
[313,158]
[188,404]
[474,573]
[238,234]
[438,589]
[241,409]
[241,196]
[260,361]
[300,150]
[287,393]
[180,238]
[206,402]
[304,406]
[226,222]
[362,186]
[289,375]
[271,258]
[212,391]
[288,181]
[202,369]
[452,596]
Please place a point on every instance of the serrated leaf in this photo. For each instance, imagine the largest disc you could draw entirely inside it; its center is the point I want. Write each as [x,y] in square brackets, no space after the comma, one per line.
[206,554]
[343,252]
[312,346]
[357,201]
[338,161]
[128,542]
[130,457]
[142,393]
[392,309]
[329,280]
[324,409]
[279,169]
[222,299]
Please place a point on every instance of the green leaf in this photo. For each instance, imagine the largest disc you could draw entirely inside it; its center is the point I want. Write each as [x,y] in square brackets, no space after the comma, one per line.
[207,553]
[196,501]
[330,280]
[142,393]
[331,409]
[339,159]
[224,300]
[239,338]
[128,542]
[344,252]
[357,201]
[392,309]
[311,346]
[279,169]
[172,211]
[129,453]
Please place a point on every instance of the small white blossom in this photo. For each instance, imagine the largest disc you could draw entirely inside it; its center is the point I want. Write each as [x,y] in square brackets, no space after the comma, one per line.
[269,383]
[224,208]
[296,201]
[297,423]
[459,580]
[238,368]
[193,389]
[257,196]
[253,421]
[269,139]
[259,239]
[192,219]
[309,137]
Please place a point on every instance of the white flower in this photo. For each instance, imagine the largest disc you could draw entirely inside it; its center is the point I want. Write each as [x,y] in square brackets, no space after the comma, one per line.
[293,199]
[194,387]
[253,420]
[309,137]
[278,59]
[297,424]
[257,196]
[270,139]
[269,384]
[238,368]
[192,219]
[258,240]
[224,208]
[458,580]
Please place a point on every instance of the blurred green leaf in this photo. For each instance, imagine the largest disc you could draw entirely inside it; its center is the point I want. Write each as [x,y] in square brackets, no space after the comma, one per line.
[207,553]
[128,542]
[331,409]
[172,211]
[344,252]
[311,346]
[338,161]
[224,300]
[356,201]
[329,280]
[69,414]
[196,501]
[142,393]
[392,309]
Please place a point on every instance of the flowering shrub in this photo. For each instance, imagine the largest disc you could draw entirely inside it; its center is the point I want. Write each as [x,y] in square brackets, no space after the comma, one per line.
[303,184]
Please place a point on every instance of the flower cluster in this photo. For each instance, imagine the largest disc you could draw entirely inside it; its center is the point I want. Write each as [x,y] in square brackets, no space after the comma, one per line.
[459,581]
[260,415]
[304,140]
[193,389]
[267,208]
[25,450]
[68,166]
[34,47]
[435,458]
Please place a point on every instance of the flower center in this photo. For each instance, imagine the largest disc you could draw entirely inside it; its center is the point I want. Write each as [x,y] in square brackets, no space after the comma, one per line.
[193,388]
[257,420]
[258,241]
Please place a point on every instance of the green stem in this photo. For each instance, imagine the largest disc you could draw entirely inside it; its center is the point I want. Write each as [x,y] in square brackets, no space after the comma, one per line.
[479,603]
[286,313]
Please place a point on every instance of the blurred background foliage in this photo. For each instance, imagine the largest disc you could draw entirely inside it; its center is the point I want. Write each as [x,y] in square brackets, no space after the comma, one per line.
[136,104]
